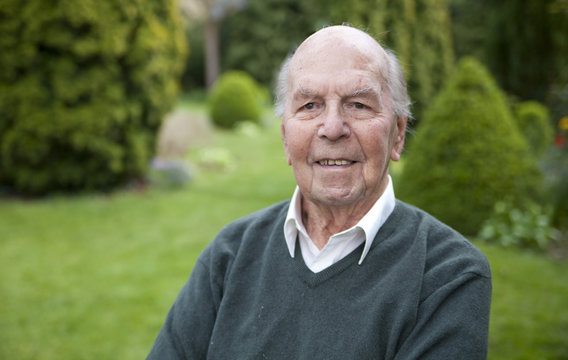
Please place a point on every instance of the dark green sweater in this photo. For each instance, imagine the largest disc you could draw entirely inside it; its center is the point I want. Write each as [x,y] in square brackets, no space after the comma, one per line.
[422,292]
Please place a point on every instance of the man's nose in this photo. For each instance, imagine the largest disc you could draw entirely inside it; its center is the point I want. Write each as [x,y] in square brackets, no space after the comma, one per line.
[334,125]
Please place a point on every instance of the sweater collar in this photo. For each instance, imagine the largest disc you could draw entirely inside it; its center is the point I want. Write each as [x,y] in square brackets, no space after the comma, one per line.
[370,223]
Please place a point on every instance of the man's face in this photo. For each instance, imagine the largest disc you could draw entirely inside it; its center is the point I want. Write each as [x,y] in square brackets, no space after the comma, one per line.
[338,132]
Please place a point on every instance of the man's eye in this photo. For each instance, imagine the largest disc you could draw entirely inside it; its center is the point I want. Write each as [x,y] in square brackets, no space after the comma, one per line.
[309,106]
[359,106]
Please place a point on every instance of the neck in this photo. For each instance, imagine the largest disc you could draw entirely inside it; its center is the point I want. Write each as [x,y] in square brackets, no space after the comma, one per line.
[322,221]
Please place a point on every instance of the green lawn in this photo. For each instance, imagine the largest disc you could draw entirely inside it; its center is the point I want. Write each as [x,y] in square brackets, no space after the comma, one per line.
[92,277]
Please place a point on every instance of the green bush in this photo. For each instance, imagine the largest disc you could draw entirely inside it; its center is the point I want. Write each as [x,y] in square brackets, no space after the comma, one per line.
[533,120]
[84,87]
[529,227]
[468,153]
[235,97]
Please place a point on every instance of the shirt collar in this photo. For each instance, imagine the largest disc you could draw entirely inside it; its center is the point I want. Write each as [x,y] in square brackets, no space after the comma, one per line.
[370,223]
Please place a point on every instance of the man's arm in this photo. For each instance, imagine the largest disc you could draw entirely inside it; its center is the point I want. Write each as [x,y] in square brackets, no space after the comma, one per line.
[188,326]
[452,322]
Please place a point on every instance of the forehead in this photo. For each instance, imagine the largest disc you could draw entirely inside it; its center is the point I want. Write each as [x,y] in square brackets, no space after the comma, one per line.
[310,86]
[337,59]
[346,76]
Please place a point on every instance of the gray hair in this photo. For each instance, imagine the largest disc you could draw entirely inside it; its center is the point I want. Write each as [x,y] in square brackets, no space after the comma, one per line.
[281,89]
[394,83]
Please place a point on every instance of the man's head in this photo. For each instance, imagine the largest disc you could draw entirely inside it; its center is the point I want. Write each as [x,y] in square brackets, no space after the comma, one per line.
[344,108]
[393,79]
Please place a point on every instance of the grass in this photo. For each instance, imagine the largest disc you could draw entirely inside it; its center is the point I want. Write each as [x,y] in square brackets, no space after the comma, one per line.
[530,305]
[92,277]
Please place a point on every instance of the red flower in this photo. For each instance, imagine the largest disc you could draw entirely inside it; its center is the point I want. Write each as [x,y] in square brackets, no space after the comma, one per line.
[559,141]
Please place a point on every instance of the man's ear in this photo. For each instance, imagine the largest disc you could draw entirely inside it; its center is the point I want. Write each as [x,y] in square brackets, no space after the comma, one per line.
[284,141]
[399,137]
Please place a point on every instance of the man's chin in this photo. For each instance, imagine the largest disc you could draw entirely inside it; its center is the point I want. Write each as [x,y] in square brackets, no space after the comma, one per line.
[336,197]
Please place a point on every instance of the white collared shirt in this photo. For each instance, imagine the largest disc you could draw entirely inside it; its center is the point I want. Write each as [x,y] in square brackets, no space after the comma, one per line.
[340,244]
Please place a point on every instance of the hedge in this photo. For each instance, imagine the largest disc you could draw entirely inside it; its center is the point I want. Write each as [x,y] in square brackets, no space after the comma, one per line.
[84,86]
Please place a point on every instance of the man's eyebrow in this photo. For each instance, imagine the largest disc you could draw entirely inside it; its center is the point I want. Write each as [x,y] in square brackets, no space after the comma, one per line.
[371,92]
[368,91]
[303,93]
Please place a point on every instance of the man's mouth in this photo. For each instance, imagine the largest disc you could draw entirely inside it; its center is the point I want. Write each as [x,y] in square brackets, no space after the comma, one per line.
[329,162]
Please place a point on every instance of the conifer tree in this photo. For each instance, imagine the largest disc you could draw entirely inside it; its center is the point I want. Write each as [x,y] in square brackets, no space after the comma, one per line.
[468,153]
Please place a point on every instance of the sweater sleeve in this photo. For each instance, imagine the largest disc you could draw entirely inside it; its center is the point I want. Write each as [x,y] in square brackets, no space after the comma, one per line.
[189,323]
[453,322]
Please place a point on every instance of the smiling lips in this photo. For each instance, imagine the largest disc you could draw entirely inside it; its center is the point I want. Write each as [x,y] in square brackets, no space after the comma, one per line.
[329,162]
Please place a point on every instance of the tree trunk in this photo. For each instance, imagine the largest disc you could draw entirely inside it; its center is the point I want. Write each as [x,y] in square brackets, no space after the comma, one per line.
[212,67]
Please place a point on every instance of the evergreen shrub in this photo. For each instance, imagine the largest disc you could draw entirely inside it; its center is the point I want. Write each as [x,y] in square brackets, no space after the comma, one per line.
[533,119]
[235,97]
[468,153]
[84,87]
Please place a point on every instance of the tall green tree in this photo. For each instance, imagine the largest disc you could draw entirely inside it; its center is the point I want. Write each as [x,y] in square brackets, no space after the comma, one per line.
[399,30]
[432,54]
[257,39]
[523,42]
[520,50]
[470,21]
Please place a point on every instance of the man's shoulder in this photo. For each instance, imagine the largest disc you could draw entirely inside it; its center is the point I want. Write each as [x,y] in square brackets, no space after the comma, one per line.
[264,224]
[261,219]
[412,217]
[443,245]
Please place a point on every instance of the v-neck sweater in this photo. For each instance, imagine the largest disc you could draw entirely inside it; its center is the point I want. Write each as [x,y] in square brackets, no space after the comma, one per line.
[423,292]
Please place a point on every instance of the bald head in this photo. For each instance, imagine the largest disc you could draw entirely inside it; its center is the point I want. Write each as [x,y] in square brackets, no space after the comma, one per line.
[339,41]
[341,47]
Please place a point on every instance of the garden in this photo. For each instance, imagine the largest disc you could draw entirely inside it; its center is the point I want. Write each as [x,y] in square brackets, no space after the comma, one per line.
[125,146]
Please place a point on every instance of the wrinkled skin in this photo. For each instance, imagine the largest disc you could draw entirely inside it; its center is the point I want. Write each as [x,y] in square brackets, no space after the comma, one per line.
[339,132]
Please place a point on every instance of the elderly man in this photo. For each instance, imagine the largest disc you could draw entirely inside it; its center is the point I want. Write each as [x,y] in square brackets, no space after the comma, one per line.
[343,270]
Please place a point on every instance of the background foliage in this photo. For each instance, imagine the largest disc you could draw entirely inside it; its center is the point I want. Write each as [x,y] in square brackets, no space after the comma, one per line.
[510,226]
[235,97]
[533,119]
[456,168]
[257,39]
[84,88]
[523,43]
